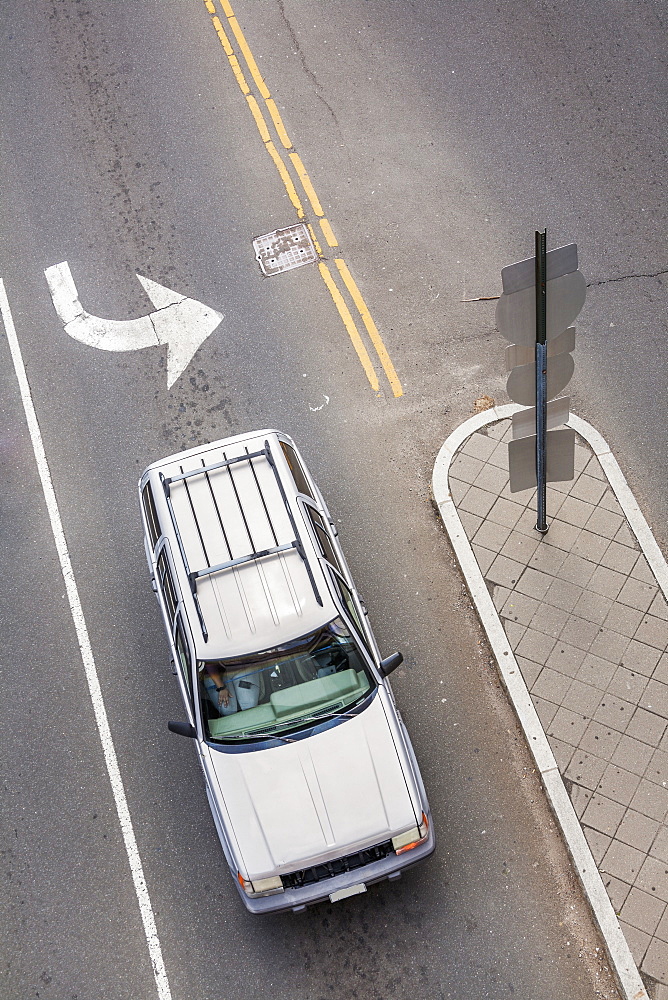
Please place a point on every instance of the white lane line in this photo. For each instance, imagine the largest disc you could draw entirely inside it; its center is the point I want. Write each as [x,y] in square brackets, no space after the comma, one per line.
[148,919]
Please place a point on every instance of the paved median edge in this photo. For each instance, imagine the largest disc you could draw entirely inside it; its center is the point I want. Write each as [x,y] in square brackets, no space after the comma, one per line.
[625,969]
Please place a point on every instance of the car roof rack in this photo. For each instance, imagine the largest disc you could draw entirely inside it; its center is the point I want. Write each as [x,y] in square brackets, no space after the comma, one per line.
[209,570]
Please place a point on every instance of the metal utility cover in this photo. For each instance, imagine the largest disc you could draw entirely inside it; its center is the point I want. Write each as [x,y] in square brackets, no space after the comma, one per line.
[524,422]
[284,249]
[516,313]
[560,464]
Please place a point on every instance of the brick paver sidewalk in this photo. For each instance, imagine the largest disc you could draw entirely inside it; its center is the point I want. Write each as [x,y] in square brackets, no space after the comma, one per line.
[588,624]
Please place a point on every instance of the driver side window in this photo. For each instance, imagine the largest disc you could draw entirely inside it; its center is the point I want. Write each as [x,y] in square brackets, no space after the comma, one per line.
[348,600]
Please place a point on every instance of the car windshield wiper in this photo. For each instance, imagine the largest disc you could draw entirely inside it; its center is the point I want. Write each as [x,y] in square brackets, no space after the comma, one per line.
[261,736]
[328,715]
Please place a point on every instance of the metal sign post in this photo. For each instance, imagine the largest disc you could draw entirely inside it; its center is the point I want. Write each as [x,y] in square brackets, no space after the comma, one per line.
[541,380]
[541,297]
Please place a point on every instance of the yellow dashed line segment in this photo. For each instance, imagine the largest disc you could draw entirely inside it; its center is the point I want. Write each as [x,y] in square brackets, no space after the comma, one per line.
[285,177]
[306,183]
[224,40]
[315,239]
[349,324]
[278,123]
[372,330]
[238,72]
[259,118]
[328,233]
[248,56]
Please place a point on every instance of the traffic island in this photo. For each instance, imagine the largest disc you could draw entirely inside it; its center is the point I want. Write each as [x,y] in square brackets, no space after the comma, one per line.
[577,619]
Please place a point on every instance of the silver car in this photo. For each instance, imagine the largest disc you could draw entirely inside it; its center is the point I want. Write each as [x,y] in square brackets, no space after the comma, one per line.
[310,774]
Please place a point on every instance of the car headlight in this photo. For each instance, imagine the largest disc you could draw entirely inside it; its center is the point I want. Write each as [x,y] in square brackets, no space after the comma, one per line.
[412,838]
[261,886]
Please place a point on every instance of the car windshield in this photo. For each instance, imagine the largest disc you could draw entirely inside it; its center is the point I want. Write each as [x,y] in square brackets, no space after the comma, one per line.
[285,688]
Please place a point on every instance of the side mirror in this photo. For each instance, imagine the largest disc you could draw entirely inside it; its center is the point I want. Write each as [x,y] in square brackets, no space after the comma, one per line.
[391,663]
[182,729]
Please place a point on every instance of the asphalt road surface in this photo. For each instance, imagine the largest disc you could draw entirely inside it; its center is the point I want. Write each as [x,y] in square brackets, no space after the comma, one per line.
[435,139]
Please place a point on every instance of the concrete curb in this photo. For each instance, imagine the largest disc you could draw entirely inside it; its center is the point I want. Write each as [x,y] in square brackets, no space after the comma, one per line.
[619,953]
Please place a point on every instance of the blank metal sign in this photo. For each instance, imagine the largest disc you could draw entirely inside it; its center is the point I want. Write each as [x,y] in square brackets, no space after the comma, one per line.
[559,465]
[521,275]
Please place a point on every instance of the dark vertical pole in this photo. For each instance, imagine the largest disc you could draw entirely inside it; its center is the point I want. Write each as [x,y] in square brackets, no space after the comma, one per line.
[541,380]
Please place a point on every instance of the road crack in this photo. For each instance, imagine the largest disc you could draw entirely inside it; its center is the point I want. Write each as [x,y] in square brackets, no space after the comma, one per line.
[302,58]
[625,277]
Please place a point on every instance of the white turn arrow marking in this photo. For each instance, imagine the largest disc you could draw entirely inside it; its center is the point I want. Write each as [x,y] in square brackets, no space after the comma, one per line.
[182,324]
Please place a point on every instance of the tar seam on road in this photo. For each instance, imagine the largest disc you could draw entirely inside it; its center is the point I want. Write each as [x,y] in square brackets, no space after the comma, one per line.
[618,950]
[110,758]
[309,191]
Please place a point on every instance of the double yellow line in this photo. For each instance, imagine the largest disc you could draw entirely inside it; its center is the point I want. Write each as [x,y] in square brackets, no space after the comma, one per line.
[303,181]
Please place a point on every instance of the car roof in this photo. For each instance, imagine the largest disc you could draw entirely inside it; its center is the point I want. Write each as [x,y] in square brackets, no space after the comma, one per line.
[249,573]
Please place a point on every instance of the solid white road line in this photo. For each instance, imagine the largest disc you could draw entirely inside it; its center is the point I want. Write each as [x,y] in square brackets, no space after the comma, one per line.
[625,969]
[111,761]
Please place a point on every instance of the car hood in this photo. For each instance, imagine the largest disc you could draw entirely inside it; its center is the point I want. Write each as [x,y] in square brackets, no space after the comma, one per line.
[318,798]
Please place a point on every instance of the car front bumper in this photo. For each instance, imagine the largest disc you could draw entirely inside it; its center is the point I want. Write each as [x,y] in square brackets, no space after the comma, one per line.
[298,899]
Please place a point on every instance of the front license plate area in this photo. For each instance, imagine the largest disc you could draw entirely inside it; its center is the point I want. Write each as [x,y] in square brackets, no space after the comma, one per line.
[351,890]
